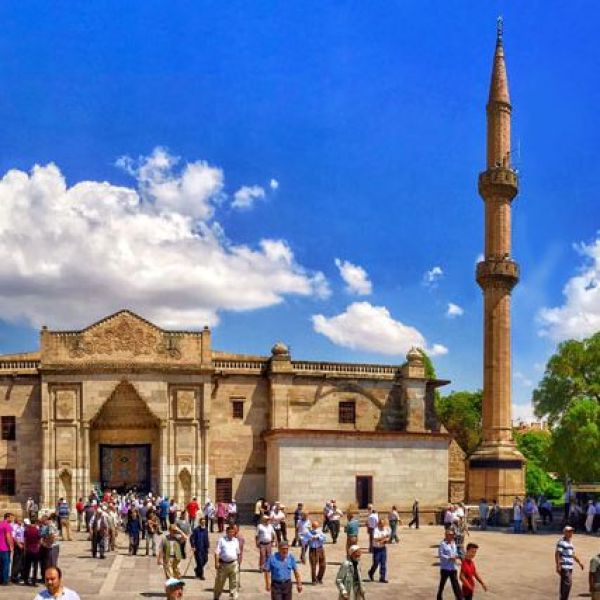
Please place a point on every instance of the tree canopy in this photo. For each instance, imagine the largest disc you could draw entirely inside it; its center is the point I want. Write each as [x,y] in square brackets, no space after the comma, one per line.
[460,413]
[572,373]
[575,445]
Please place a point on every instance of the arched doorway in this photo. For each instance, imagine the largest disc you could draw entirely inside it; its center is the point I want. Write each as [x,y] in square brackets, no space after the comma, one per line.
[124,443]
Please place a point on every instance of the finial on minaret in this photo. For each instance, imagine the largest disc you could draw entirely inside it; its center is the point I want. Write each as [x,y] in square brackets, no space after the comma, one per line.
[499,30]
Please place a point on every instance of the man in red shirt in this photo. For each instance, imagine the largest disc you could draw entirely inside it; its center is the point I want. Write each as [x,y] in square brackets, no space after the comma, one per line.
[79,507]
[468,573]
[192,511]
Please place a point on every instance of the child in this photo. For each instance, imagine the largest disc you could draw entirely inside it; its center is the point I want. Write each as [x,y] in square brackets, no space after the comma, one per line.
[468,573]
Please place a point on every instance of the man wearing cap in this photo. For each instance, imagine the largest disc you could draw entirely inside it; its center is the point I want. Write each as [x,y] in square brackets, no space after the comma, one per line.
[448,554]
[278,573]
[564,558]
[227,556]
[349,580]
[169,551]
[174,588]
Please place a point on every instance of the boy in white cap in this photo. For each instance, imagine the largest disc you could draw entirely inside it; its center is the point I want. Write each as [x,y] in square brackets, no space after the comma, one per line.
[174,588]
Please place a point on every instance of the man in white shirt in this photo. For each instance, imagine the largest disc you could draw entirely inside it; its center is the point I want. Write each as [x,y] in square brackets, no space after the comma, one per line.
[265,538]
[232,511]
[381,536]
[278,520]
[55,588]
[302,528]
[372,521]
[590,514]
[333,517]
[227,556]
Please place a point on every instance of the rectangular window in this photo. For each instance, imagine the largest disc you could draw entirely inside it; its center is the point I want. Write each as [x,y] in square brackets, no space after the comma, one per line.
[224,490]
[7,482]
[347,412]
[237,409]
[9,428]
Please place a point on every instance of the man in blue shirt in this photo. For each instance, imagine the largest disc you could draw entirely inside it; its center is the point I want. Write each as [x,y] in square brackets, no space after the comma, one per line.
[448,554]
[163,513]
[278,573]
[314,539]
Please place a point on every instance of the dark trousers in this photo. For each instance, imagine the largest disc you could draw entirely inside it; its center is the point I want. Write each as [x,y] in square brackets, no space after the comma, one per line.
[316,556]
[453,577]
[31,567]
[379,562]
[566,580]
[334,528]
[201,560]
[17,564]
[134,543]
[97,545]
[163,523]
[370,532]
[4,566]
[221,524]
[281,590]
[415,521]
[48,558]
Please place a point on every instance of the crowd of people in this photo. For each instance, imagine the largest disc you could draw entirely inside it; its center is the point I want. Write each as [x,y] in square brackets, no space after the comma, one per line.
[160,528]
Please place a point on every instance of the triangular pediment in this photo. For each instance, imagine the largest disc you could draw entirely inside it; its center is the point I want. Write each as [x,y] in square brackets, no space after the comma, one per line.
[124,315]
[124,409]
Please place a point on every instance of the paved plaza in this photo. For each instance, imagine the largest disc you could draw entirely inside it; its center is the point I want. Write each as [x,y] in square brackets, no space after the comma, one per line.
[517,567]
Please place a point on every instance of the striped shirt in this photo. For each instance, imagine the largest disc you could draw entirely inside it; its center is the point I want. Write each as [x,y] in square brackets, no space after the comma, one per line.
[566,550]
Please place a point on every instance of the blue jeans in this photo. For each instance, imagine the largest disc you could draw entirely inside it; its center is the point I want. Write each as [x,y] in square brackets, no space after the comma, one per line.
[4,566]
[517,526]
[379,560]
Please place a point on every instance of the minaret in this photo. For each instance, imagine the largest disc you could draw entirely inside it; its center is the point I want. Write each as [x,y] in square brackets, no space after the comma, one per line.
[496,469]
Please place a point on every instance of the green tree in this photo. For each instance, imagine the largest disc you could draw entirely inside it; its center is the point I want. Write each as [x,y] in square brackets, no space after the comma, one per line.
[575,446]
[460,413]
[535,446]
[572,373]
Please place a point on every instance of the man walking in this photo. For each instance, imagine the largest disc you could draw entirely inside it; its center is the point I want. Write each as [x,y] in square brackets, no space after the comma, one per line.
[63,511]
[200,546]
[314,540]
[449,560]
[594,578]
[351,529]
[192,510]
[54,587]
[372,521]
[169,552]
[278,574]
[381,536]
[349,579]
[565,557]
[333,518]
[227,556]
[265,538]
[99,533]
[415,515]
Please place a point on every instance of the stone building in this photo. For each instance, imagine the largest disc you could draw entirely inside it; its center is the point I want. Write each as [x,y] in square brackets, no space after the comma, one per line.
[124,402]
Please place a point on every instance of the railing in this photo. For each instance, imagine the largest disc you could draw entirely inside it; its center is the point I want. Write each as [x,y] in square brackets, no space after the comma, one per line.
[17,365]
[239,365]
[345,368]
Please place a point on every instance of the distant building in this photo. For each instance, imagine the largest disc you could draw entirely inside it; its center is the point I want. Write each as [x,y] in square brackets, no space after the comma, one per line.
[125,403]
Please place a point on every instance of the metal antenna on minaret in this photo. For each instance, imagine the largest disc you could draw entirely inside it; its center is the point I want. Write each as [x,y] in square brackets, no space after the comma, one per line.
[499,30]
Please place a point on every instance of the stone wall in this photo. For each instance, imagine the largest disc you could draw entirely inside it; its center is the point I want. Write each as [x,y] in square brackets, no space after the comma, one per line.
[316,467]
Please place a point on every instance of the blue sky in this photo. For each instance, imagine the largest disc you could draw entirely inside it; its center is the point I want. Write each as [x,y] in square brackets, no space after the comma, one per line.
[346,130]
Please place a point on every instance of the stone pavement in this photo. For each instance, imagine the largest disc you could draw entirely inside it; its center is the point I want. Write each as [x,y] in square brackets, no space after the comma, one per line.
[517,567]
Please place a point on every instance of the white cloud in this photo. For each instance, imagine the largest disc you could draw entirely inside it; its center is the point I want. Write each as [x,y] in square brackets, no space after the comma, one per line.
[431,277]
[355,277]
[366,327]
[454,310]
[72,254]
[274,184]
[523,379]
[245,197]
[193,192]
[579,315]
[523,413]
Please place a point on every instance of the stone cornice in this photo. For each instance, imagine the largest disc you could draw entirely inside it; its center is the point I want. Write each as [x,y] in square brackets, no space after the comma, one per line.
[330,433]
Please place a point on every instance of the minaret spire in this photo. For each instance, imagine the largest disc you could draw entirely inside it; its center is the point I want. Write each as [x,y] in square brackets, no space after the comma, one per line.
[496,468]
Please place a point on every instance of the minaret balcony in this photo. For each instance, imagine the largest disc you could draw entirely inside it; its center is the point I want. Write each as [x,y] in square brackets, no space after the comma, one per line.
[498,272]
[498,181]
